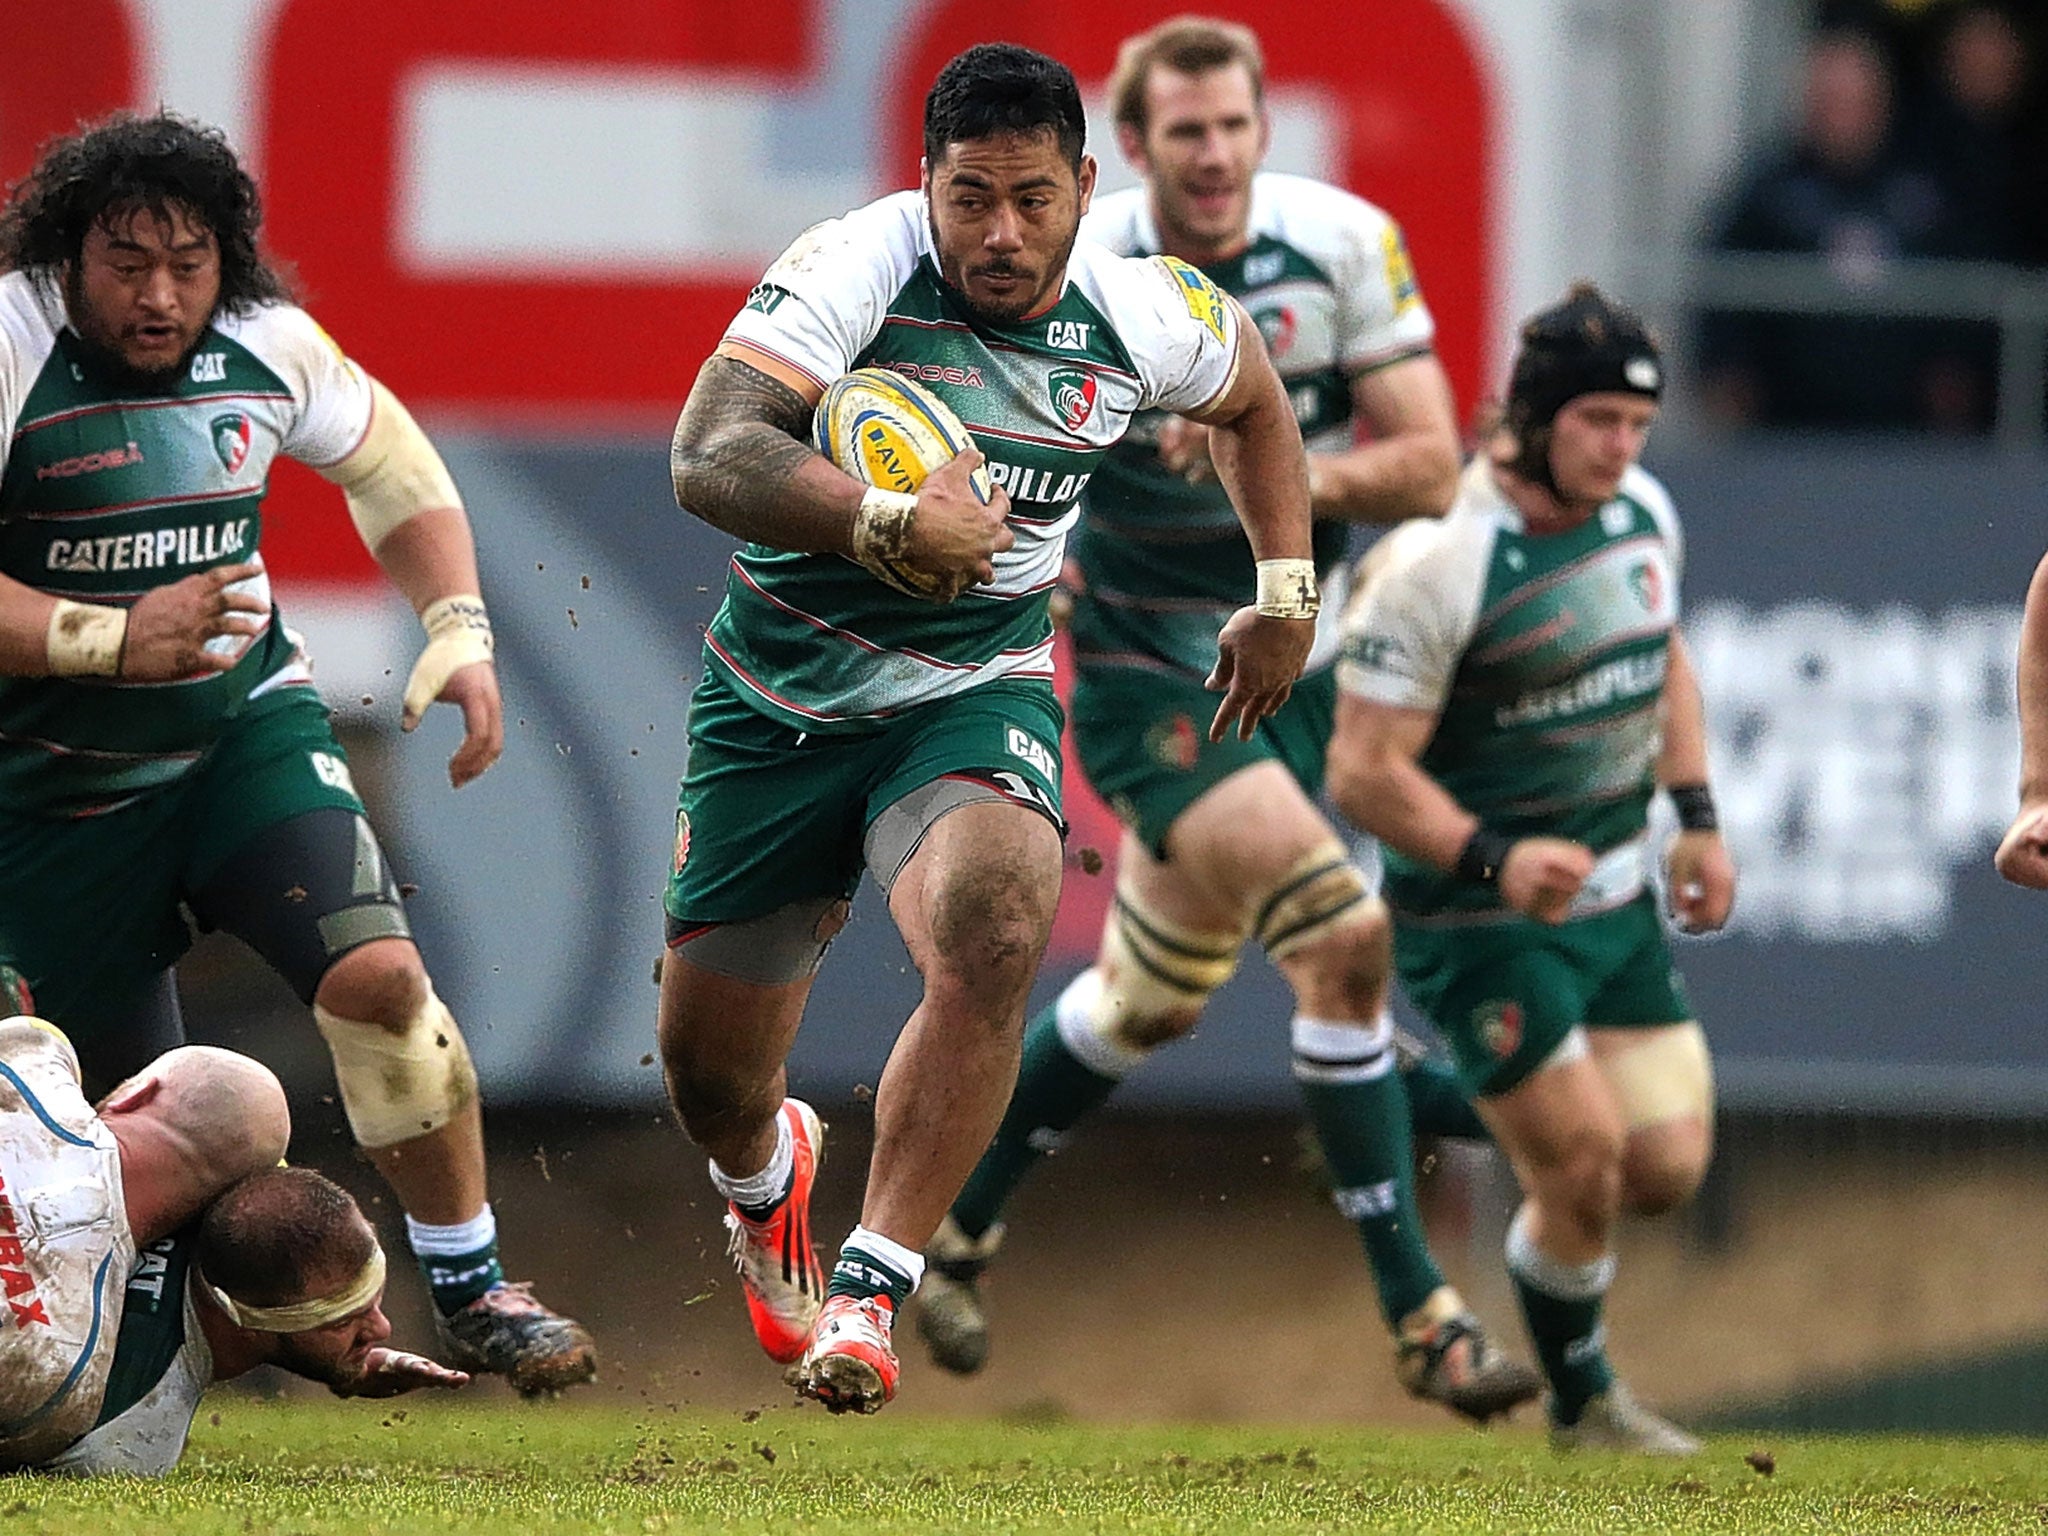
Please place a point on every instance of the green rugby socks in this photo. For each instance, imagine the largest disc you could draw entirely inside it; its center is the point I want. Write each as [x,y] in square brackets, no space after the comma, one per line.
[873,1265]
[1437,1105]
[459,1261]
[1056,1086]
[1359,1109]
[1562,1305]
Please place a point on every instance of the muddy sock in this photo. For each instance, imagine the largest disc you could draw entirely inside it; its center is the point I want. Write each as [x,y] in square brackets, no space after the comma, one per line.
[872,1265]
[460,1261]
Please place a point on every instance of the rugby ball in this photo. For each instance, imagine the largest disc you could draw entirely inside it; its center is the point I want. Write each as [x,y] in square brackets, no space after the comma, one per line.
[889,431]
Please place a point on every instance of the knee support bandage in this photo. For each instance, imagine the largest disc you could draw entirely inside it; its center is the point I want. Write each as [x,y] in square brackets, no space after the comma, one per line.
[399,1083]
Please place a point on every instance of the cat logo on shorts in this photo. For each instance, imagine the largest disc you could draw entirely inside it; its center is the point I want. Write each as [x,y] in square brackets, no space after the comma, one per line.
[1203,299]
[1499,1025]
[682,842]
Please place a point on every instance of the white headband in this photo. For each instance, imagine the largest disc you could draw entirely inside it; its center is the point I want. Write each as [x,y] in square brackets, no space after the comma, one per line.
[300,1316]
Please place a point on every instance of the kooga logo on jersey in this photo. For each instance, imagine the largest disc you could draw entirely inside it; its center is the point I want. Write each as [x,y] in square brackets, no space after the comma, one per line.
[152,549]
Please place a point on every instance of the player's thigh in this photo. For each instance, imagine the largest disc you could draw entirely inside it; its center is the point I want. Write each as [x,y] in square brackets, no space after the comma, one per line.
[280,853]
[964,832]
[767,822]
[1503,995]
[88,916]
[1562,1131]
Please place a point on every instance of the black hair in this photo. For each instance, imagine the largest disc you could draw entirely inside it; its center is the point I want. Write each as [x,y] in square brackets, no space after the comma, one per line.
[1585,344]
[271,1236]
[127,164]
[1001,88]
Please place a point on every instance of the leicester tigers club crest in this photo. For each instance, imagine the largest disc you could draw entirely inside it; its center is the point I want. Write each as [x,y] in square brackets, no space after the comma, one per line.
[1073,393]
[682,854]
[1647,583]
[1499,1026]
[1279,327]
[231,439]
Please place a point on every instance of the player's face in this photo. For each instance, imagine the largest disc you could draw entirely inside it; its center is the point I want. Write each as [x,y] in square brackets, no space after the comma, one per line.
[1005,213]
[337,1353]
[1204,137]
[144,289]
[1594,440]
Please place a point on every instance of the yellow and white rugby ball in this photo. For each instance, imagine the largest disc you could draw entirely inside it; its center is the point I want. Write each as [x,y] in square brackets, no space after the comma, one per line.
[889,431]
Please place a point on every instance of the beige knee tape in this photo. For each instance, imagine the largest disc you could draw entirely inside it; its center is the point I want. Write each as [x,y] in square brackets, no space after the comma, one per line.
[1667,1077]
[1323,889]
[398,1084]
[1157,968]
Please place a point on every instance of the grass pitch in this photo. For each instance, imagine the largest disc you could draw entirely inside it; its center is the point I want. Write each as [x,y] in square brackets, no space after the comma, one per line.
[353,1469]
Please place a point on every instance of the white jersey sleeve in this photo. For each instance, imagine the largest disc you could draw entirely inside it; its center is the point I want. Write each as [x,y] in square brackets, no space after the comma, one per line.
[65,1246]
[1381,316]
[825,297]
[1646,488]
[28,331]
[1416,611]
[330,410]
[1180,329]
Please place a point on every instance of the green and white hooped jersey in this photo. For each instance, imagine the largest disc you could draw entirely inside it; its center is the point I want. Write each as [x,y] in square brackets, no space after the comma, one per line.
[162,1366]
[1544,658]
[105,494]
[1327,280]
[817,642]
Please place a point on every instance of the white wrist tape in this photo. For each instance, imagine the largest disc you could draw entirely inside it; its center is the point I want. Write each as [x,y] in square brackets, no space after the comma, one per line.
[85,639]
[1287,589]
[881,535]
[458,635]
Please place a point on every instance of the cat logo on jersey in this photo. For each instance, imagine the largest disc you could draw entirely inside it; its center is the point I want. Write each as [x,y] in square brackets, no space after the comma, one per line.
[1204,299]
[1073,393]
[1647,583]
[231,439]
[1400,270]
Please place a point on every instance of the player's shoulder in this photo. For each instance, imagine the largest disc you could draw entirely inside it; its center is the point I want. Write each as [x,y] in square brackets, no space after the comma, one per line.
[1320,220]
[1648,492]
[35,1047]
[886,236]
[1120,221]
[31,314]
[279,334]
[1146,296]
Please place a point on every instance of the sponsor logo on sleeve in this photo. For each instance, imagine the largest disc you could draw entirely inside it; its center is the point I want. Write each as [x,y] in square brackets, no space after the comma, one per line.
[1400,270]
[1203,298]
[767,297]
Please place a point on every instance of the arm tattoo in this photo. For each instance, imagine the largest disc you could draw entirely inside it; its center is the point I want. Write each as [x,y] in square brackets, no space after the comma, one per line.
[735,458]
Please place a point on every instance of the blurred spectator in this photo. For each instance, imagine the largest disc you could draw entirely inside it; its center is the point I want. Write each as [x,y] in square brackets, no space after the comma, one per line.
[1842,189]
[1971,130]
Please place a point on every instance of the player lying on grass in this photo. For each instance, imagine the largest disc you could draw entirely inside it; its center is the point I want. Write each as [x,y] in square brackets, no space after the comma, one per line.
[103,1354]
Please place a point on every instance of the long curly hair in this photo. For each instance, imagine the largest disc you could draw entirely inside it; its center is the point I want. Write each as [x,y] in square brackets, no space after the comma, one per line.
[128,164]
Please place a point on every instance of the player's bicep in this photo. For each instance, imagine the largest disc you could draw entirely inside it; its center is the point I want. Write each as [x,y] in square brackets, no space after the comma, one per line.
[1378,733]
[1408,396]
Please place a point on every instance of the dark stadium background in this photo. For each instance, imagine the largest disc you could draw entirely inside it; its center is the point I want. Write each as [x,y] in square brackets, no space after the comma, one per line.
[533,220]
